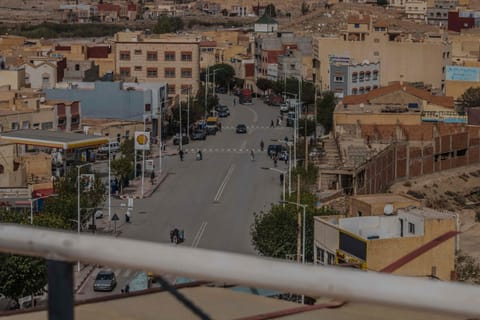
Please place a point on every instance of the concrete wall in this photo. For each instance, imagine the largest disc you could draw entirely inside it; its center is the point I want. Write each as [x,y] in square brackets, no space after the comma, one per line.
[382,252]
[13,78]
[406,60]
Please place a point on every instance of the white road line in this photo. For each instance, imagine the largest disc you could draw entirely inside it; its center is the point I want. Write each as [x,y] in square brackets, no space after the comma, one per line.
[224,183]
[199,234]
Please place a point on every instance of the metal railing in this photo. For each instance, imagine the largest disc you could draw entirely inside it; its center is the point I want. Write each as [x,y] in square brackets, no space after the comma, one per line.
[201,264]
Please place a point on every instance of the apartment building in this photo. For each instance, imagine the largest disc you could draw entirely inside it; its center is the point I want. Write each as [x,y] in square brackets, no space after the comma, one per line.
[375,204]
[99,53]
[418,242]
[416,10]
[82,13]
[463,19]
[172,59]
[81,70]
[438,14]
[353,79]
[13,77]
[403,57]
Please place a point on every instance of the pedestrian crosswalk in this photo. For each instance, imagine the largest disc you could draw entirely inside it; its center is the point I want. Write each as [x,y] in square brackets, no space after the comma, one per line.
[251,127]
[221,150]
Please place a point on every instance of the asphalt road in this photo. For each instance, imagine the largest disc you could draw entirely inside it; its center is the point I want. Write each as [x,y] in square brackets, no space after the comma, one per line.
[213,200]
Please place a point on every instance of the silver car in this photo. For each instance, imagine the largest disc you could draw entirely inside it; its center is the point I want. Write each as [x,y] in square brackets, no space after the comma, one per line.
[105,281]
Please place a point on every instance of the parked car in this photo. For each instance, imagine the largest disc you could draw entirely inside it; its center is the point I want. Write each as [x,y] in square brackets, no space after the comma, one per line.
[176,139]
[284,107]
[105,281]
[241,128]
[198,135]
[222,113]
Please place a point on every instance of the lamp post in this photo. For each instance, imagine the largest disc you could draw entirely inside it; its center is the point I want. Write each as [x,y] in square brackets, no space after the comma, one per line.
[283,180]
[78,201]
[289,144]
[304,207]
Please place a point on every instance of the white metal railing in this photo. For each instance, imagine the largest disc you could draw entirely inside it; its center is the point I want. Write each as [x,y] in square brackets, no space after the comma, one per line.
[201,264]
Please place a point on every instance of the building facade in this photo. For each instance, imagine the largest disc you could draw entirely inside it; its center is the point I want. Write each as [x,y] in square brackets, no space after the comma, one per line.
[438,14]
[354,79]
[174,60]
[402,57]
[398,243]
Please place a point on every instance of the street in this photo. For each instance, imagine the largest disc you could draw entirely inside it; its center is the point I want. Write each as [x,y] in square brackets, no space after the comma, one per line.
[213,200]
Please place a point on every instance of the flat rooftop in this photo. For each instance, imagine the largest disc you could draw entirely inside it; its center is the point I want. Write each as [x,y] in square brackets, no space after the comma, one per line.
[382,198]
[52,139]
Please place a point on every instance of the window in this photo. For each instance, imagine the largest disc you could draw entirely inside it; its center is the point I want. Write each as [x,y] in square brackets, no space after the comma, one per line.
[186,56]
[376,40]
[77,67]
[138,68]
[169,72]
[152,56]
[292,67]
[138,51]
[338,79]
[14,126]
[25,124]
[361,90]
[375,75]
[367,76]
[169,56]
[359,213]
[354,91]
[362,76]
[320,255]
[47,125]
[330,258]
[125,72]
[367,89]
[171,89]
[186,88]
[356,25]
[354,77]
[2,169]
[411,228]
[376,53]
[125,55]
[152,73]
[74,120]
[186,72]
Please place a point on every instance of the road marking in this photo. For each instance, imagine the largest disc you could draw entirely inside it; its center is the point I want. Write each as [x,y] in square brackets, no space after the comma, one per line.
[224,183]
[255,115]
[244,144]
[199,234]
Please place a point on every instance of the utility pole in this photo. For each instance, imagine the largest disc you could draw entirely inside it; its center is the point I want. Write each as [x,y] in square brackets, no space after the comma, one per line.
[306,145]
[299,223]
[315,114]
[206,91]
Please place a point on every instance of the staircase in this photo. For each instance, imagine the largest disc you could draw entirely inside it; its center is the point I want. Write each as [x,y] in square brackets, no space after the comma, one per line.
[330,157]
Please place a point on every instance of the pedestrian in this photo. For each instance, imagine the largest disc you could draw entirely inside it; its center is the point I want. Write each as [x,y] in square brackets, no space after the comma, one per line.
[275,161]
[281,178]
[252,155]
[180,153]
[278,122]
[171,236]
[234,102]
[272,124]
[220,126]
[182,235]
[127,288]
[152,177]
[127,216]
[262,145]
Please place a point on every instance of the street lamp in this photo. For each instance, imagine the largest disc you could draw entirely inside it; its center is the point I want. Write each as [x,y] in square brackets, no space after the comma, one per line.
[283,180]
[78,199]
[289,144]
[304,207]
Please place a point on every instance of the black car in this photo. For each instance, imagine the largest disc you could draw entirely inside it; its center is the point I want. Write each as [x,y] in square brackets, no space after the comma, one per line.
[212,130]
[222,114]
[198,135]
[241,128]
[277,149]
[176,139]
[221,109]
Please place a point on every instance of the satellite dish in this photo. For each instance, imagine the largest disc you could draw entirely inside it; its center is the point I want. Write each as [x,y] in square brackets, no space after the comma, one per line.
[388,209]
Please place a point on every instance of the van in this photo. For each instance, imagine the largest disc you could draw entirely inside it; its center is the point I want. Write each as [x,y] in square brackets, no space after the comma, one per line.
[113,146]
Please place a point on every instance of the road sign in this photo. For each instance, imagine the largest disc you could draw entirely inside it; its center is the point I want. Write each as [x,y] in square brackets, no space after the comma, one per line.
[115,217]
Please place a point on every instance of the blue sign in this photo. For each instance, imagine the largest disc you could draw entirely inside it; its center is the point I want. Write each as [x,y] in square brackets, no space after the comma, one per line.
[457,73]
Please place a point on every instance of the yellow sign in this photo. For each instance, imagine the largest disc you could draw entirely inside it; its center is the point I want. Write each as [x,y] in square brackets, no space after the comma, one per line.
[142,140]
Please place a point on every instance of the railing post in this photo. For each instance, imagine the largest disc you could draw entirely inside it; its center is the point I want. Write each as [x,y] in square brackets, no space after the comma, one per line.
[60,290]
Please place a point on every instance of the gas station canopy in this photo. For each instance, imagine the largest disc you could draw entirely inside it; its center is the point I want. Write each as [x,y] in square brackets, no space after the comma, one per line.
[53,139]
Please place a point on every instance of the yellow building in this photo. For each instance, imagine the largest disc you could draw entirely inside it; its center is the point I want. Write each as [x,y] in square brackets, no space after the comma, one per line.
[402,57]
[14,78]
[172,59]
[376,204]
[413,242]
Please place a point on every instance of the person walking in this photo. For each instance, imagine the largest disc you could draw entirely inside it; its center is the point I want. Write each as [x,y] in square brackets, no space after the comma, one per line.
[252,155]
[272,124]
[180,153]
[234,102]
[262,145]
[275,161]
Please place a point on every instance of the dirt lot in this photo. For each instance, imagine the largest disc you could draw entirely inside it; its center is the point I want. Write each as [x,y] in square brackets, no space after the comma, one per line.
[456,190]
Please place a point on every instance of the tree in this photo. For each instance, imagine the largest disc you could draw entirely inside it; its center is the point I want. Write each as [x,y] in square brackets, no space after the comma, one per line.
[467,268]
[224,74]
[274,233]
[270,10]
[305,8]
[382,3]
[326,107]
[166,24]
[264,84]
[123,169]
[470,98]
[22,276]
[65,203]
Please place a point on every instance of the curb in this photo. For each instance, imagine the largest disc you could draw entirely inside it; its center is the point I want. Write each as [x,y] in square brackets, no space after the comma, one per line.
[157,185]
[82,282]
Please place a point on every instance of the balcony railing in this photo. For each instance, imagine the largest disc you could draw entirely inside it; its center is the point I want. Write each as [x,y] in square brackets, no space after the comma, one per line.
[312,280]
